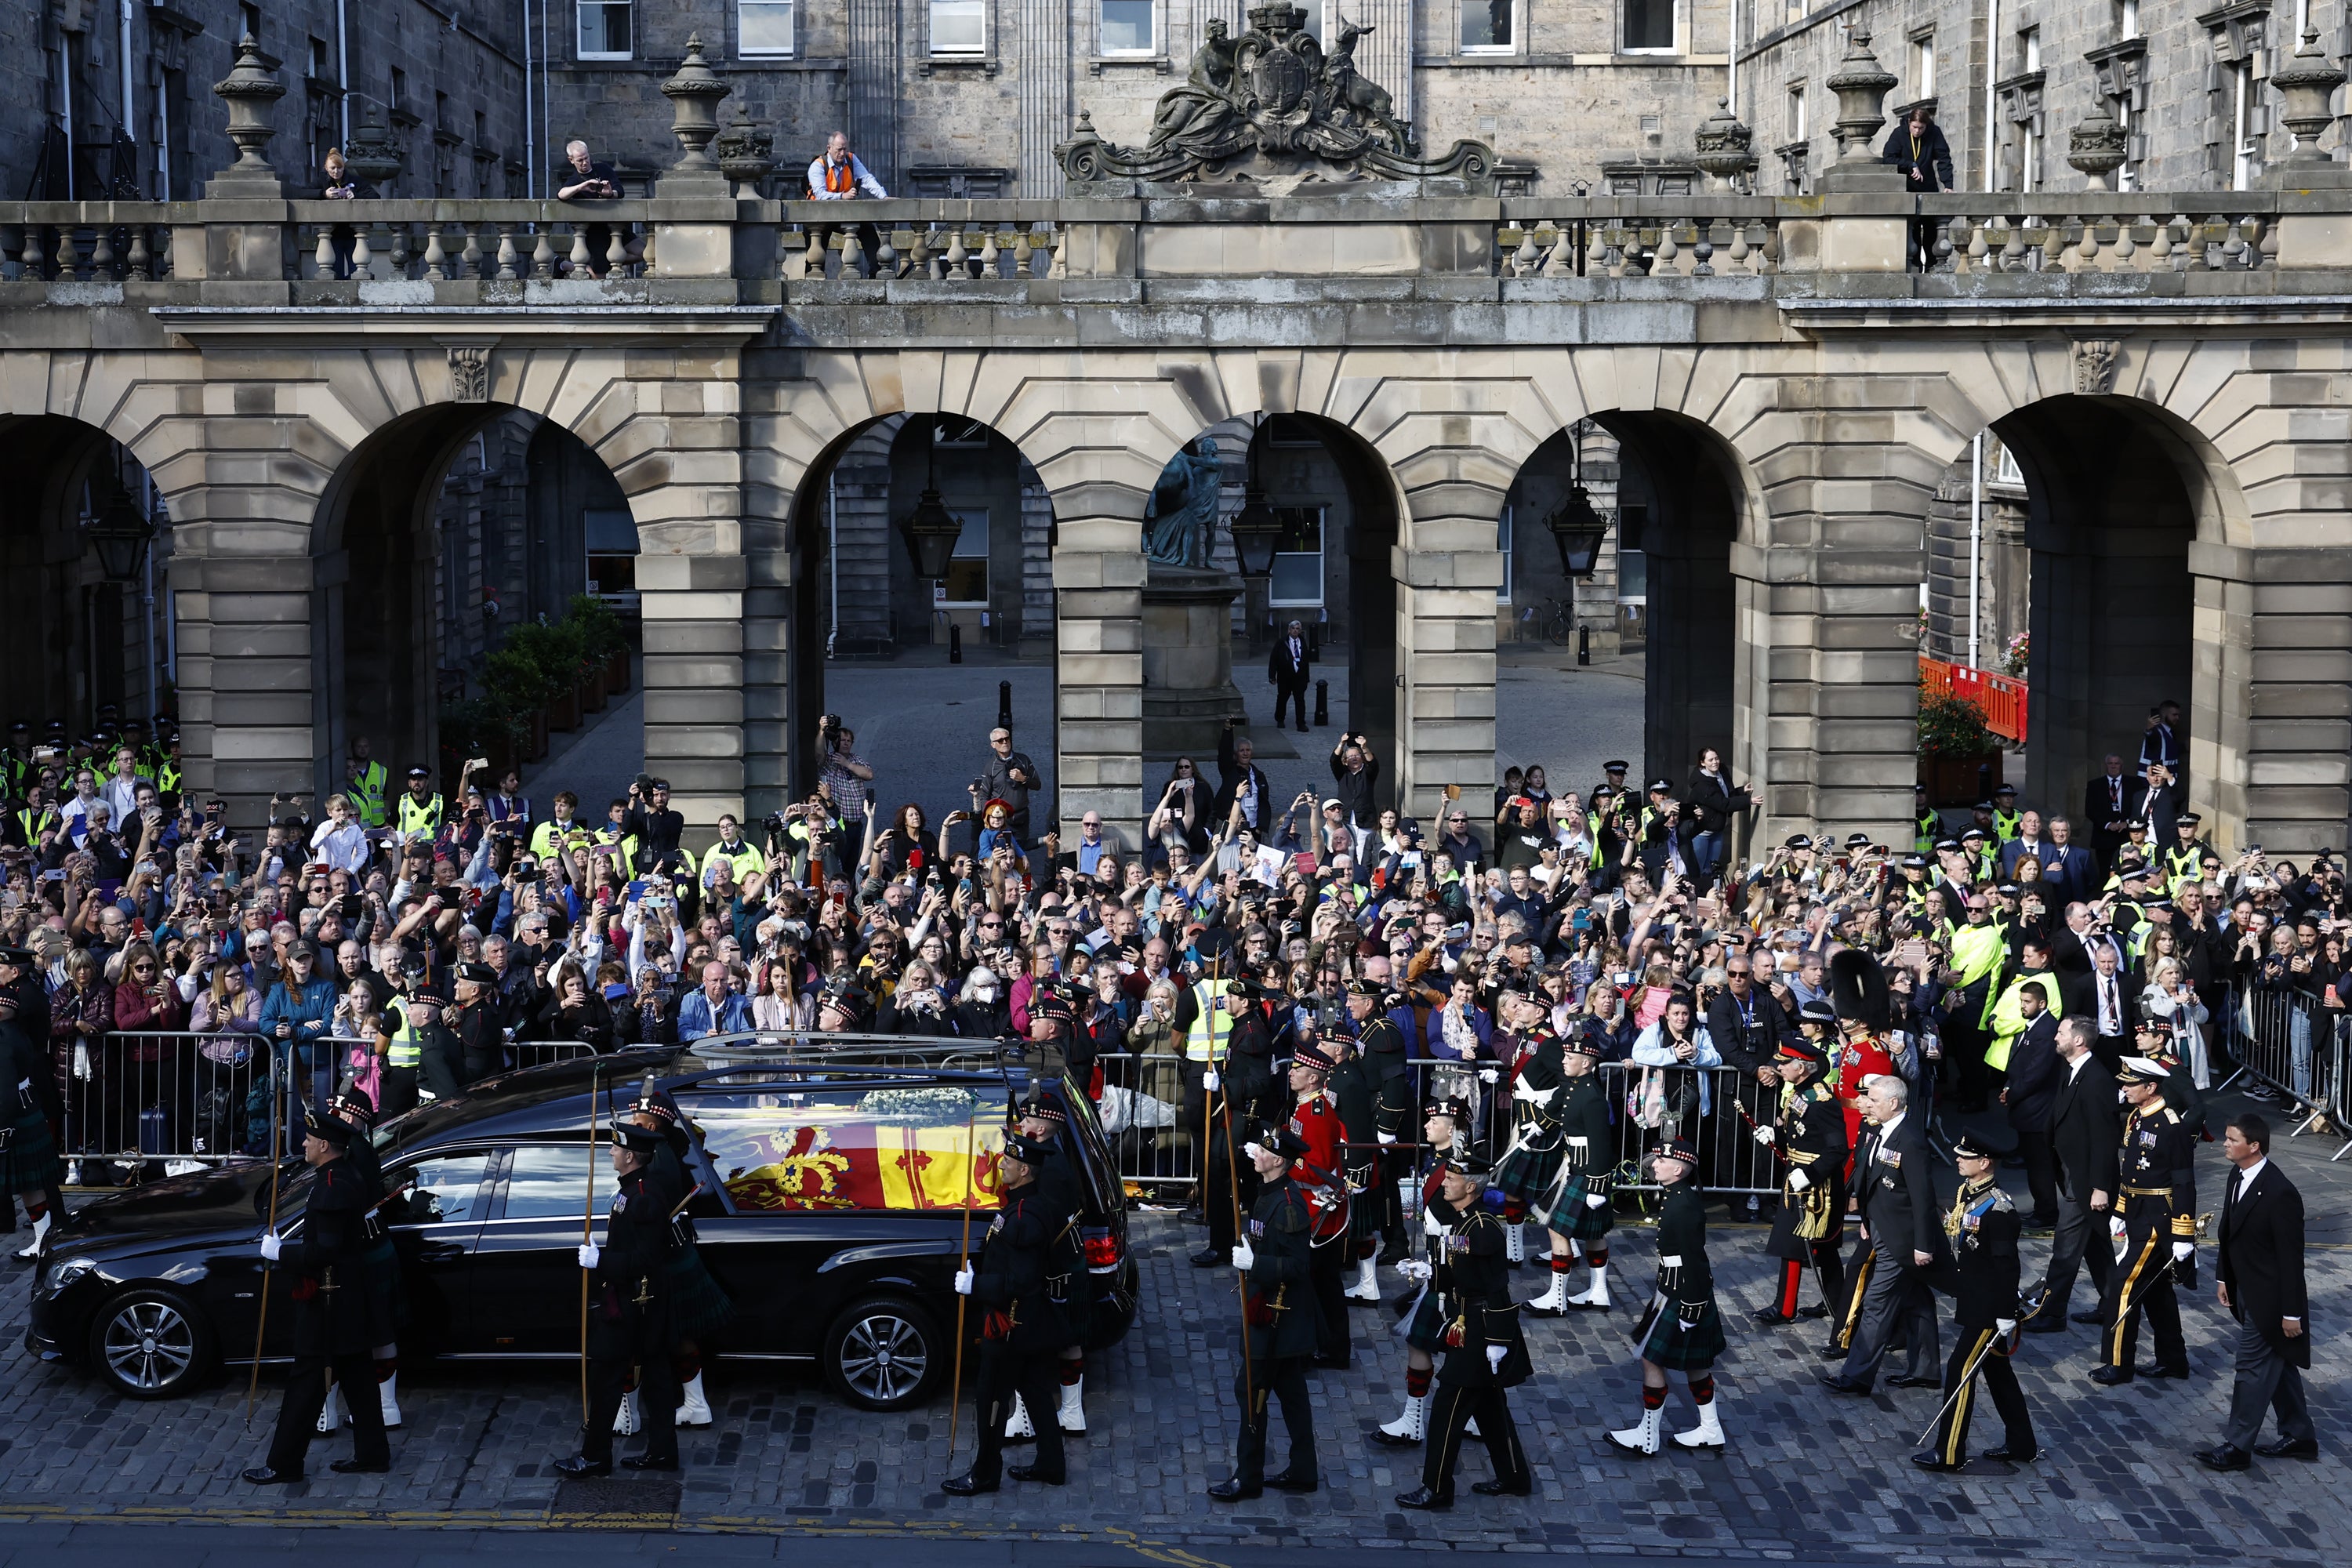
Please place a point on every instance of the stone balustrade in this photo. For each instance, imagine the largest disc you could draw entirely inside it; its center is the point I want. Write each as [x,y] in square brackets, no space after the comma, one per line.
[728,250]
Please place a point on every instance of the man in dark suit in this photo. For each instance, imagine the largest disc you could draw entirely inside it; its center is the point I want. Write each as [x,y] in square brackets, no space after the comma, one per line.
[2157,805]
[2261,1270]
[1233,765]
[1895,1189]
[2086,1137]
[2030,1095]
[1289,669]
[2068,873]
[2107,803]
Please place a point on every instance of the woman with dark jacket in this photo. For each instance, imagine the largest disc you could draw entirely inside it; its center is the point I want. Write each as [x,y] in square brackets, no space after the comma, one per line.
[1710,804]
[650,1017]
[572,1011]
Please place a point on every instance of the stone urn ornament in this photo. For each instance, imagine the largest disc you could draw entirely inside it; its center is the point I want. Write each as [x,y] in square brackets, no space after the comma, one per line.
[1726,149]
[2307,81]
[2096,147]
[248,90]
[746,152]
[694,94]
[1862,85]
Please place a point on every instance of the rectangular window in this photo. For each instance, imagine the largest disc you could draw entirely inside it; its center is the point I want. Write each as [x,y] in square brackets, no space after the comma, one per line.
[819,1150]
[612,541]
[1297,579]
[764,29]
[2127,22]
[2244,122]
[967,579]
[2029,49]
[252,15]
[604,30]
[1923,66]
[1510,564]
[446,1189]
[1649,26]
[958,26]
[1486,28]
[545,1181]
[1127,27]
[1798,130]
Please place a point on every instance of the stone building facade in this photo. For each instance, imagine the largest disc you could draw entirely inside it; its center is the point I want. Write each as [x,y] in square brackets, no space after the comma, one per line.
[2186,80]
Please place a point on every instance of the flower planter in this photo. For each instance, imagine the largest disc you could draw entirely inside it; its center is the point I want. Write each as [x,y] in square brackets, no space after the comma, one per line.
[616,671]
[1960,781]
[592,691]
[563,713]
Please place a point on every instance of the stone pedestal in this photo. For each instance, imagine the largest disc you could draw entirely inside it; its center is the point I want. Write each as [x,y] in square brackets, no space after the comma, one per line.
[1188,659]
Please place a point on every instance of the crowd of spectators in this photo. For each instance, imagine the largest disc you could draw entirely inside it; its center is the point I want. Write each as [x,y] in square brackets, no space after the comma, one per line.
[421,943]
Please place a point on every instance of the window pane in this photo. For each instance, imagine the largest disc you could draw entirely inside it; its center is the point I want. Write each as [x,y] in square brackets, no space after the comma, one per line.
[767,27]
[1126,26]
[446,1189]
[956,28]
[1486,24]
[547,1180]
[604,27]
[1649,24]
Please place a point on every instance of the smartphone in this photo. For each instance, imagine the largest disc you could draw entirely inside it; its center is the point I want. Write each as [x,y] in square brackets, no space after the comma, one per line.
[1911,954]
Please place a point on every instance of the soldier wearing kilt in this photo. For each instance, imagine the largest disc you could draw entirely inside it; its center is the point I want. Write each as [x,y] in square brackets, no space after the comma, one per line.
[1383,1047]
[1421,1323]
[699,1307]
[357,1112]
[629,1333]
[1321,1176]
[337,1317]
[1279,1328]
[1680,1330]
[1577,1208]
[1982,1228]
[1353,1095]
[1809,1132]
[1526,1171]
[29,1148]
[1486,1354]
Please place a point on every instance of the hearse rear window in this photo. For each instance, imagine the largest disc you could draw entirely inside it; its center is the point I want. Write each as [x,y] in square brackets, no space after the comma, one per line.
[813,1150]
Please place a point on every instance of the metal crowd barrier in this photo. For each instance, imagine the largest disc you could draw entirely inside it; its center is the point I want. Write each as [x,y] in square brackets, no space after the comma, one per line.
[2283,1037]
[1157,1145]
[142,1105]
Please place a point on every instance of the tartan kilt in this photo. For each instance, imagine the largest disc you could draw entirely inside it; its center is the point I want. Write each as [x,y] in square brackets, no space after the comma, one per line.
[29,1163]
[1577,1220]
[1661,1339]
[698,1307]
[1364,1210]
[1425,1329]
[1526,1174]
[387,1300]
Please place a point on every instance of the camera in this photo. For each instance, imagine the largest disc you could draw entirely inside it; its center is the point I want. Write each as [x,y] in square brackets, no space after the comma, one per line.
[775,824]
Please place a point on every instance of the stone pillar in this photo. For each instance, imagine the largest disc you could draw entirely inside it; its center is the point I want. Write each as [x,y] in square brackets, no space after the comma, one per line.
[771,572]
[875,52]
[1044,84]
[2274,671]
[693,608]
[1445,668]
[248,661]
[1826,673]
[1098,575]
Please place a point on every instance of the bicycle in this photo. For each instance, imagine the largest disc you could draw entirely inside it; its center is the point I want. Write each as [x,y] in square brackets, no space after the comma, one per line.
[1559,622]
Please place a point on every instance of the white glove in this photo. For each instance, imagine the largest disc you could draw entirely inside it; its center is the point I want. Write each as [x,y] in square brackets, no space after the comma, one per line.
[589,1254]
[1764,1135]
[963,1280]
[1243,1259]
[1414,1268]
[1593,1200]
[2115,1226]
[1489,1075]
[1495,1358]
[1209,1080]
[2004,1325]
[2183,1251]
[82,1060]
[271,1245]
[1385,1137]
[1799,1181]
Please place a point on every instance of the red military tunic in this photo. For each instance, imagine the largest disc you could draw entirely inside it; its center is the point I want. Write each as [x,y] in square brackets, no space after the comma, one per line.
[1860,1057]
[1316,1119]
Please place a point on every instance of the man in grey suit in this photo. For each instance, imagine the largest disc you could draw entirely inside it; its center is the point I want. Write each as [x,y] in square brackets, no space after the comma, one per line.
[1895,1190]
[2262,1283]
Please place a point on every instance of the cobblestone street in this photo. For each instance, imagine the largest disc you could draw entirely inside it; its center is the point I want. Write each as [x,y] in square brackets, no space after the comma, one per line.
[1808,1474]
